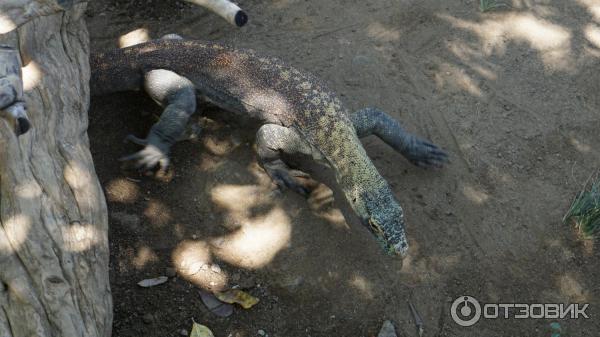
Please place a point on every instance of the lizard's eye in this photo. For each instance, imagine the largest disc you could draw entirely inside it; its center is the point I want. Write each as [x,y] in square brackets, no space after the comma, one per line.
[375,226]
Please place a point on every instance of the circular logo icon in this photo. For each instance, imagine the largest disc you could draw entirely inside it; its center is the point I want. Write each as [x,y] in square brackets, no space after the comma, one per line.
[465,311]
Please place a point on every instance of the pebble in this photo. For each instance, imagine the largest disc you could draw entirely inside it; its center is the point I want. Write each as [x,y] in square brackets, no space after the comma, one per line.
[183,332]
[387,330]
[262,332]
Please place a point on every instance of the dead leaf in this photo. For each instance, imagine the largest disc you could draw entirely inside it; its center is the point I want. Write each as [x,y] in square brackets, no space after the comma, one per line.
[199,330]
[240,297]
[151,282]
[215,306]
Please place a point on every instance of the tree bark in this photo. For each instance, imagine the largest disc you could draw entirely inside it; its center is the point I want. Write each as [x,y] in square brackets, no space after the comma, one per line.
[53,217]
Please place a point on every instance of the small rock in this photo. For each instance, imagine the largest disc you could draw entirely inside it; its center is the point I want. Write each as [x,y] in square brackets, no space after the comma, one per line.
[387,330]
[262,332]
[170,272]
[148,318]
[183,332]
[215,268]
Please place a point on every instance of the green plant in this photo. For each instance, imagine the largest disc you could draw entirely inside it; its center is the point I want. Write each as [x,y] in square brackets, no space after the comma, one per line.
[488,5]
[585,209]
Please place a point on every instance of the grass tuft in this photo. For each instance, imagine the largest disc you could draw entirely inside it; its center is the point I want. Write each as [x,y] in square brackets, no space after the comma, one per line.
[585,209]
[488,5]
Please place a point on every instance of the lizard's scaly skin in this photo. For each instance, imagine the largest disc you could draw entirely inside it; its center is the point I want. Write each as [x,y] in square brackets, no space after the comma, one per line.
[273,92]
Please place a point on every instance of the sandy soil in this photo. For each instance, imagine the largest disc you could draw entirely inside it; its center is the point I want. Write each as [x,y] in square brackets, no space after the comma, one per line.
[512,95]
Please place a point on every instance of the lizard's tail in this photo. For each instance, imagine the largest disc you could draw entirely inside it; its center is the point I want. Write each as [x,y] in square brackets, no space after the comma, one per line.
[114,71]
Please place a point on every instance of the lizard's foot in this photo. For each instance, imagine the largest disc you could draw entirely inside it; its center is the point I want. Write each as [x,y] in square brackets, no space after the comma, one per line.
[150,157]
[372,121]
[285,177]
[425,154]
[271,141]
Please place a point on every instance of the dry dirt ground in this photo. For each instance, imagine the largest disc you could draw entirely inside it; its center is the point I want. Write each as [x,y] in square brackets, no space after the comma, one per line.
[512,95]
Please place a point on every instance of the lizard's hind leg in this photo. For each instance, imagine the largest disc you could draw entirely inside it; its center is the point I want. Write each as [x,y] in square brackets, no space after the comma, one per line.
[272,140]
[178,95]
[372,121]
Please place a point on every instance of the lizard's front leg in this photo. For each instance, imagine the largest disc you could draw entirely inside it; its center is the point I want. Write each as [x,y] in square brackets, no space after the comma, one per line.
[372,121]
[272,140]
[177,94]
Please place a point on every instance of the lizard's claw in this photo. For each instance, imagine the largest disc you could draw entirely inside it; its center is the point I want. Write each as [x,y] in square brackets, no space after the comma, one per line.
[284,177]
[136,140]
[150,157]
[425,154]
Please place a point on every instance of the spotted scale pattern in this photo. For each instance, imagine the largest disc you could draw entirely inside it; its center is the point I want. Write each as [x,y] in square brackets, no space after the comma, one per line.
[265,88]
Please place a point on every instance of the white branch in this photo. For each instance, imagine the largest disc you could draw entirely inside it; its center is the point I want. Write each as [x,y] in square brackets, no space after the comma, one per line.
[226,9]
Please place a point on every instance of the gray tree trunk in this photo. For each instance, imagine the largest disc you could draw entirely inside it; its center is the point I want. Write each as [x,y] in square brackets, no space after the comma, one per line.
[53,217]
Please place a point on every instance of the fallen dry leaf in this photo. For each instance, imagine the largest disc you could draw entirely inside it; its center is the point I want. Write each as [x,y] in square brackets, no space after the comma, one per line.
[215,306]
[240,297]
[199,330]
[151,282]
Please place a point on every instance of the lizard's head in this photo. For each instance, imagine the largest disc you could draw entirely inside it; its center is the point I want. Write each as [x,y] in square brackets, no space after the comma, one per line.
[16,115]
[382,215]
